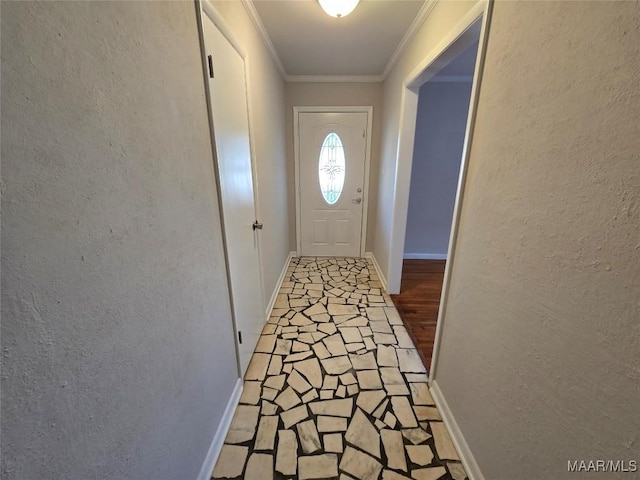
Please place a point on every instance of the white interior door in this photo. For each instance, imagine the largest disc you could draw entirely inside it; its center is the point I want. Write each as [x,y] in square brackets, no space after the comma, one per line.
[332,152]
[228,96]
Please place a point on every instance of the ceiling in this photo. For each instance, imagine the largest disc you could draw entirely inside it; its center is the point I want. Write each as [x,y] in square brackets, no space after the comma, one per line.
[308,42]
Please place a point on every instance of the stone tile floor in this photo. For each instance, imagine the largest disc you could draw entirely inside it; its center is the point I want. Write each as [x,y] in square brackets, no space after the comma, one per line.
[336,388]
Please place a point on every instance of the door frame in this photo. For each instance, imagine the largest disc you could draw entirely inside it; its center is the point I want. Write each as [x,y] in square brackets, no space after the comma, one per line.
[297,110]
[206,8]
[474,26]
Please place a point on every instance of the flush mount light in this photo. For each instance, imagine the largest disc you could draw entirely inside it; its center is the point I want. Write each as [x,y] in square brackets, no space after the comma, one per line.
[338,8]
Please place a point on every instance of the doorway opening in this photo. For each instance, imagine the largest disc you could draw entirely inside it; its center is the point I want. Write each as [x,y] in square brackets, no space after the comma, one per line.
[443,106]
[438,111]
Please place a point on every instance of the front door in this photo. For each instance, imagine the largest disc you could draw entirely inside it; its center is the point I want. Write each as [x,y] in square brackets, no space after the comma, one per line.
[332,152]
[228,95]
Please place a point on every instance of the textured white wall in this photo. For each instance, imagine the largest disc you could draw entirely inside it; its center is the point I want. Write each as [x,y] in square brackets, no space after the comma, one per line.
[267,107]
[437,152]
[118,349]
[441,20]
[540,354]
[335,94]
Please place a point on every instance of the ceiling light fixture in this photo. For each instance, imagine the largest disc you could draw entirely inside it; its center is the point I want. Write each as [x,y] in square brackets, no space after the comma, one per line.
[338,8]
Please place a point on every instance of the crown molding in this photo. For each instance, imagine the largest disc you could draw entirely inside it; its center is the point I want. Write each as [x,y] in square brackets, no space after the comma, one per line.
[255,18]
[333,78]
[422,15]
[452,78]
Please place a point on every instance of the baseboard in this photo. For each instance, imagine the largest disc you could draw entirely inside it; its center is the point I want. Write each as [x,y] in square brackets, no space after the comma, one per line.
[425,256]
[283,274]
[382,278]
[218,439]
[467,458]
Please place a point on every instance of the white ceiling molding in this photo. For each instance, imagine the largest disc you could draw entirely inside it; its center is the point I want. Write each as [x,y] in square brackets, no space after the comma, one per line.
[334,78]
[255,18]
[452,78]
[413,29]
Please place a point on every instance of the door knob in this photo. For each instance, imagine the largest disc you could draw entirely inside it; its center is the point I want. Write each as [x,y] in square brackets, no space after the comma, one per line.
[257,225]
[356,200]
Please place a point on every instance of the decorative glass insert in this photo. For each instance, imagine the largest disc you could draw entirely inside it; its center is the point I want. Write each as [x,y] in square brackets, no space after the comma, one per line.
[331,168]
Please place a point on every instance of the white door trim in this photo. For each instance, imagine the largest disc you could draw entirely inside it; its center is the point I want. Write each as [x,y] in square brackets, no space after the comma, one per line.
[483,11]
[296,155]
[472,26]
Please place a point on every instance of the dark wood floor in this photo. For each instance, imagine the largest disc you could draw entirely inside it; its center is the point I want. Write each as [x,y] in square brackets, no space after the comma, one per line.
[419,301]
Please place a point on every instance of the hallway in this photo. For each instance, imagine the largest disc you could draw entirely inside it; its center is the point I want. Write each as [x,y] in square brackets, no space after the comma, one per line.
[336,388]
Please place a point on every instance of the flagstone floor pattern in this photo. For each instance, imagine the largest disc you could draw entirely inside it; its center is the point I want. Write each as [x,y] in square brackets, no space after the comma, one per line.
[335,388]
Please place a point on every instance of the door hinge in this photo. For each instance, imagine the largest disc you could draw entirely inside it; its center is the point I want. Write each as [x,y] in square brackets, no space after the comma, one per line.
[240,337]
[364,134]
[210,61]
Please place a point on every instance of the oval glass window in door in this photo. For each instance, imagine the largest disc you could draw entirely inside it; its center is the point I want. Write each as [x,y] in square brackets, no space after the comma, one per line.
[331,168]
